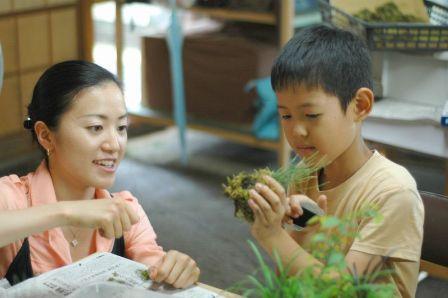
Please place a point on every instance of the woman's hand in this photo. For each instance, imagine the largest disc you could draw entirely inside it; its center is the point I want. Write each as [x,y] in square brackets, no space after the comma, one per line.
[269,204]
[111,216]
[176,269]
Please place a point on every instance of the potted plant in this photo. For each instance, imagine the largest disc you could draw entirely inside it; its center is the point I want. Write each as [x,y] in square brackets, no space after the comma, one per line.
[333,279]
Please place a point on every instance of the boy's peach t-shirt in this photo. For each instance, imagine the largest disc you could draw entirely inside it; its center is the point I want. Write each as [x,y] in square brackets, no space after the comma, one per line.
[50,249]
[399,235]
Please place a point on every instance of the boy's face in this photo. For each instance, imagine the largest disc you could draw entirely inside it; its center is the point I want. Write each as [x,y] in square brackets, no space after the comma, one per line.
[313,120]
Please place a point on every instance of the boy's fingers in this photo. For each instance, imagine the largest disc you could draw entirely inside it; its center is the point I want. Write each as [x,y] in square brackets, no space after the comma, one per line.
[322,202]
[277,188]
[261,202]
[288,210]
[270,196]
[258,214]
[296,209]
[313,186]
[287,220]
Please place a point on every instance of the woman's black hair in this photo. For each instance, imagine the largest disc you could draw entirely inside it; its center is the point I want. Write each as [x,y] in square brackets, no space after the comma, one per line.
[56,88]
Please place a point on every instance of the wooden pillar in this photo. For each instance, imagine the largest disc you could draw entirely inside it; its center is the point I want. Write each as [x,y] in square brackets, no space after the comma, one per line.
[86,29]
[285,22]
[119,37]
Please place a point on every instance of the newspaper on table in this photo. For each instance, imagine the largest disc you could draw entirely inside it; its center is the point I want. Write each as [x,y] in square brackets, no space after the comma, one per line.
[100,275]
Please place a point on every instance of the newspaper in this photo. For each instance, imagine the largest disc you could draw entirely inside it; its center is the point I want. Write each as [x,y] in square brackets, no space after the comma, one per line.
[100,275]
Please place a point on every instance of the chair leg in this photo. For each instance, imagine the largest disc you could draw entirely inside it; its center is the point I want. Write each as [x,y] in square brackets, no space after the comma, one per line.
[446,178]
[434,270]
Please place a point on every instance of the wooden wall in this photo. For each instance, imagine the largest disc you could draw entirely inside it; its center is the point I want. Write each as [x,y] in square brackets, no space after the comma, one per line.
[34,34]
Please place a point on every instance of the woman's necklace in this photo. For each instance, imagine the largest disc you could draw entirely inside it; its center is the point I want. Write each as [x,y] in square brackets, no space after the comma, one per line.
[74,242]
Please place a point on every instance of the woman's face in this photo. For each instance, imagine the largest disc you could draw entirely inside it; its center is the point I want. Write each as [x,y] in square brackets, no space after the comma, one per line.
[90,140]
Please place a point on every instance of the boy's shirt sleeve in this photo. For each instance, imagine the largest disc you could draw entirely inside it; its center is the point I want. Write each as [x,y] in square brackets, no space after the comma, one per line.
[399,233]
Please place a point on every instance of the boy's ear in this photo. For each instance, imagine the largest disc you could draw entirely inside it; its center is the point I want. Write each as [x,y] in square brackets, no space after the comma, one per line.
[44,135]
[363,103]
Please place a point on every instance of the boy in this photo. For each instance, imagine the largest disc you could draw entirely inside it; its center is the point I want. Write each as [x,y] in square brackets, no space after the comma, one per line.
[322,79]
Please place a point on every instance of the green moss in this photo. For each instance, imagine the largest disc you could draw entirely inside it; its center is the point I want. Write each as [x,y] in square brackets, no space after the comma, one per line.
[237,189]
[387,13]
[144,274]
[293,175]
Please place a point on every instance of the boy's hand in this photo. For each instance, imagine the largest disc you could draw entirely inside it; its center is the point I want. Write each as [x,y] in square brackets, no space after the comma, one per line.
[296,209]
[176,269]
[269,204]
[295,204]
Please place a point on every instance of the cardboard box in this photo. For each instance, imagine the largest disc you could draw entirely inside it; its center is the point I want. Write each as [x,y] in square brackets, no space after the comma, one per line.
[216,70]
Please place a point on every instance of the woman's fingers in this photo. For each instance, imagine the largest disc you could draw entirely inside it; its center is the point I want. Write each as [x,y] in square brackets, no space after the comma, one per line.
[118,228]
[108,229]
[112,217]
[133,216]
[193,277]
[164,269]
[125,222]
[187,272]
[177,269]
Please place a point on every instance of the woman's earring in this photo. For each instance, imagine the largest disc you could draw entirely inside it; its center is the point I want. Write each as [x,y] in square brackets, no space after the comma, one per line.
[48,152]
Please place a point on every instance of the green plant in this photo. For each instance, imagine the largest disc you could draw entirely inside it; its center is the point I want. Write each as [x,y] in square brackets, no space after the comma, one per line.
[293,175]
[333,278]
[388,12]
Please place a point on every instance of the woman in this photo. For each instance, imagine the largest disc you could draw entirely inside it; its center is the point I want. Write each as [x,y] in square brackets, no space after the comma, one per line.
[63,212]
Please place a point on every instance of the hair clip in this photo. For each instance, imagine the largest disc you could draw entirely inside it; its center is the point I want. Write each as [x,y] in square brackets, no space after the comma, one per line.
[28,124]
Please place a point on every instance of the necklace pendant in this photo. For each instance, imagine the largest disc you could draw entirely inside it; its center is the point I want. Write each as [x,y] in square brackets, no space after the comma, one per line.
[74,242]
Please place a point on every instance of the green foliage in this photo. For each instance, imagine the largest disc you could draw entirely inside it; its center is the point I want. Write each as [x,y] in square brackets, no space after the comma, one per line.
[388,12]
[332,279]
[293,175]
[237,189]
[144,274]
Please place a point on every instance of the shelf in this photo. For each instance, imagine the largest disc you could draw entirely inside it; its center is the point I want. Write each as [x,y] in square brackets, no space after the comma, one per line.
[267,18]
[238,134]
[302,19]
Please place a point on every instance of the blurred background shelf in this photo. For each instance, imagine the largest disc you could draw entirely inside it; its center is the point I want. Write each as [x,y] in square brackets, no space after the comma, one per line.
[235,133]
[267,18]
[301,19]
[283,19]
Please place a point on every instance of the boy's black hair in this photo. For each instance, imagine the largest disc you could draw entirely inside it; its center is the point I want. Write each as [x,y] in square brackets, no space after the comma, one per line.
[335,60]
